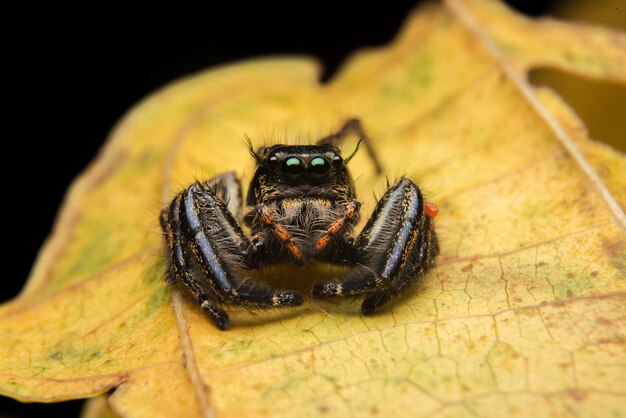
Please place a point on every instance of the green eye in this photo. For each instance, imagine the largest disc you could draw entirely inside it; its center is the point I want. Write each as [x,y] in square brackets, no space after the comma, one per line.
[293,166]
[319,166]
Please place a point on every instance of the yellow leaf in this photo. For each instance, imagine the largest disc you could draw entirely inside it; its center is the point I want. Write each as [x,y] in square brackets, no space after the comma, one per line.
[524,314]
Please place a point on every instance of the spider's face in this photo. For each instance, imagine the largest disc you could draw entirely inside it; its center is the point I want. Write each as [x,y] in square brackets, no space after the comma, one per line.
[303,165]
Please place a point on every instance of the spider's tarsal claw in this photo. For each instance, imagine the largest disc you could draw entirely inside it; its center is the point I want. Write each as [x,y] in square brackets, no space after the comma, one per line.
[217,315]
[287,298]
[374,303]
[326,290]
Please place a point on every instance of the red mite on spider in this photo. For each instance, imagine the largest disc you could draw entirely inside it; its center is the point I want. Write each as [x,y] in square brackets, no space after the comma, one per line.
[301,207]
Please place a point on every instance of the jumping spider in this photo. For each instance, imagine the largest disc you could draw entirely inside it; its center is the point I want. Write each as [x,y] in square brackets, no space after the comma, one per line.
[300,207]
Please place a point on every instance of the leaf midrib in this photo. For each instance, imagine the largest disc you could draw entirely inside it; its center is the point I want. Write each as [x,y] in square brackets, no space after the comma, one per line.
[463,15]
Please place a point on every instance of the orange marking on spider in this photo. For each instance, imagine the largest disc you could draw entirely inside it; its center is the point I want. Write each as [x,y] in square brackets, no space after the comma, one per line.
[294,250]
[281,232]
[431,209]
[335,227]
[352,212]
[322,242]
[266,216]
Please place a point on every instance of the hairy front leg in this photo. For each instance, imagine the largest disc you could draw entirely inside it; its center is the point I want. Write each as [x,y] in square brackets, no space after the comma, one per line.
[208,253]
[399,244]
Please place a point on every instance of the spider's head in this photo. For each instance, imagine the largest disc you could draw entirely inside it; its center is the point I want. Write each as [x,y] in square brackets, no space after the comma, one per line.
[301,164]
[299,170]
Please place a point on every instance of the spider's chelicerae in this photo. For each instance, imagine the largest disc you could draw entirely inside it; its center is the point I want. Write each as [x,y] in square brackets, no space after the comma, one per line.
[300,207]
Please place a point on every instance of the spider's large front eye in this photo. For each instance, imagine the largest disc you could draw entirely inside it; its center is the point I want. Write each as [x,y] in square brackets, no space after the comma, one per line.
[293,166]
[319,166]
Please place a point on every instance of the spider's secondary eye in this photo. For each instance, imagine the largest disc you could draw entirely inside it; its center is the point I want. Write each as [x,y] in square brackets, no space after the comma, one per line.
[319,166]
[337,160]
[293,166]
[272,161]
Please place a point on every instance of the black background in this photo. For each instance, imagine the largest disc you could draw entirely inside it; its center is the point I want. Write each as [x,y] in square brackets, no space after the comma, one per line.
[75,70]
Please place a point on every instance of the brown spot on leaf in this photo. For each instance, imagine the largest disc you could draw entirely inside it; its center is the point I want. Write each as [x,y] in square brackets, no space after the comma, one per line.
[577,394]
[307,362]
[614,248]
[613,340]
[323,408]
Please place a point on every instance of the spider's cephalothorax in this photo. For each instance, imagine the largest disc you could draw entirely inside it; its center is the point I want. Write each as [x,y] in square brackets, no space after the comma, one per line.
[300,207]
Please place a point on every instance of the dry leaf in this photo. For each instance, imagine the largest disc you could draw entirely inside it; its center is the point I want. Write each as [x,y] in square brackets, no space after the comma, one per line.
[524,315]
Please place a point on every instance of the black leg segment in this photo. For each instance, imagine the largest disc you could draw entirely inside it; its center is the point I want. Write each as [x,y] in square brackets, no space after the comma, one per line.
[399,244]
[227,188]
[353,126]
[208,250]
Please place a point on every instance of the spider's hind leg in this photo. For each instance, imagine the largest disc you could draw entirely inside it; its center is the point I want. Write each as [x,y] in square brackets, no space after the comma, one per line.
[353,126]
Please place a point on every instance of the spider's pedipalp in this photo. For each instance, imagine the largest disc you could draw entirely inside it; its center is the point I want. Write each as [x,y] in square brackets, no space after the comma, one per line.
[350,215]
[269,219]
